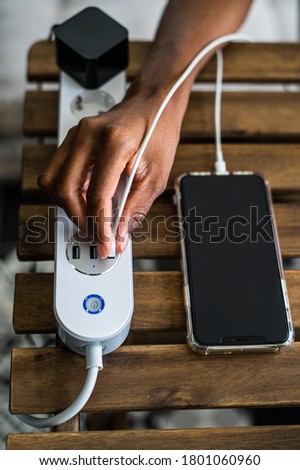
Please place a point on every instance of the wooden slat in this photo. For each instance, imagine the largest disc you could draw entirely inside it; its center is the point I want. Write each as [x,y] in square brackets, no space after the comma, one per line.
[254,116]
[47,380]
[280,163]
[36,224]
[34,293]
[41,113]
[34,158]
[41,63]
[256,438]
[153,240]
[72,425]
[274,62]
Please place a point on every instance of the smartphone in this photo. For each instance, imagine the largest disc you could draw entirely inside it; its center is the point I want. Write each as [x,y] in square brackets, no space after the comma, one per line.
[234,288]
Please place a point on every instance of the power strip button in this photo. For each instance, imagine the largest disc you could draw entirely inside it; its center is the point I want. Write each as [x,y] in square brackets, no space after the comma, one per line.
[93,304]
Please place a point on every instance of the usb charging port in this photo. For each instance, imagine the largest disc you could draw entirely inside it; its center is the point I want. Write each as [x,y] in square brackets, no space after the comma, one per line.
[93,252]
[76,252]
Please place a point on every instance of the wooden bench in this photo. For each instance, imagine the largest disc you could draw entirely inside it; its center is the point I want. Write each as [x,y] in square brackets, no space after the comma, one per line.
[155,370]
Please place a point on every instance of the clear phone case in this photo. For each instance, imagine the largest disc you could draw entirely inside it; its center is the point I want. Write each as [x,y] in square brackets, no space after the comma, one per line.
[229,349]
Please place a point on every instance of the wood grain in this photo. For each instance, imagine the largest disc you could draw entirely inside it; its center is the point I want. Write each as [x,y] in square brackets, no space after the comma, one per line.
[72,425]
[46,380]
[273,62]
[246,116]
[279,163]
[157,238]
[263,437]
[41,113]
[34,158]
[34,293]
[162,312]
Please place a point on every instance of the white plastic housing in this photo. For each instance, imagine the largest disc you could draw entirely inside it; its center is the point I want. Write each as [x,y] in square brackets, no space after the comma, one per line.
[74,290]
[77,327]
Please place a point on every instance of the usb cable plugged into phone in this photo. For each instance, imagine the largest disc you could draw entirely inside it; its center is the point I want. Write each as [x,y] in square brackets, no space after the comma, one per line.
[220,164]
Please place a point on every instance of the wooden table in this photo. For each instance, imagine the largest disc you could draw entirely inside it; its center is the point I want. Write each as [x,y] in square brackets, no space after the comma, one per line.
[155,370]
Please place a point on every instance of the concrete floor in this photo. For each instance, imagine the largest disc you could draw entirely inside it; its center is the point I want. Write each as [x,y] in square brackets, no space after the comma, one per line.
[21,24]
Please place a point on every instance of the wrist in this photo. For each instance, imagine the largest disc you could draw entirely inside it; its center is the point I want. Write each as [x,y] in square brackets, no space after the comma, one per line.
[150,94]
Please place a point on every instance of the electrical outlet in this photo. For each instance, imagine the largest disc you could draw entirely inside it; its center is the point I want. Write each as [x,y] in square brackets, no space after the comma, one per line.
[83,256]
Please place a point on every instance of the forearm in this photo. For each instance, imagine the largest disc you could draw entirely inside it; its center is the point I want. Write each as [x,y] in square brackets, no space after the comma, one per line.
[186,26]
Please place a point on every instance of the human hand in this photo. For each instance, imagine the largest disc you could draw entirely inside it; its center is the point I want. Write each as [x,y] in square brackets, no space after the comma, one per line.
[83,174]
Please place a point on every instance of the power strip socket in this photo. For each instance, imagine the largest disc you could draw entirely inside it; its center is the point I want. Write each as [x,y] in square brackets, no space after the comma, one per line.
[93,298]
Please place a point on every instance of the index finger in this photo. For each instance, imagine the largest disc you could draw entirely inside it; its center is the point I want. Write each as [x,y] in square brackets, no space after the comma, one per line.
[112,159]
[71,180]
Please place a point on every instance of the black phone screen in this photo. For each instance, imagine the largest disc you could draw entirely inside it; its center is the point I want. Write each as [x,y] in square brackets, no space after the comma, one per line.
[234,275]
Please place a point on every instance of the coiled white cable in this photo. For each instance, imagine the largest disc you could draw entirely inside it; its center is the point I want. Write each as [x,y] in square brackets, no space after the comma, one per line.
[93,365]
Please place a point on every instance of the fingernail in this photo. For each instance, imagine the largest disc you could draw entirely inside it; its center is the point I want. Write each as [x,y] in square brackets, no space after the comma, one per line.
[101,252]
[122,245]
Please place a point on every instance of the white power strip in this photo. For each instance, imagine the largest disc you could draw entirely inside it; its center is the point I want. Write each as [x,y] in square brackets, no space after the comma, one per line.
[93,298]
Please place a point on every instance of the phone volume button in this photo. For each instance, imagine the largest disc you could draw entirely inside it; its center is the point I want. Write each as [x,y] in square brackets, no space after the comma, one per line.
[285,292]
[183,270]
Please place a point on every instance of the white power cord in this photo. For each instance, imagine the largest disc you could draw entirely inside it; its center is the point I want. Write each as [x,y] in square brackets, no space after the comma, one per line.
[220,165]
[93,365]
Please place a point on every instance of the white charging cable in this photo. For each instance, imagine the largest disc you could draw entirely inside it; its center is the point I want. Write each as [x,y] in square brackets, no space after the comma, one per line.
[93,365]
[220,166]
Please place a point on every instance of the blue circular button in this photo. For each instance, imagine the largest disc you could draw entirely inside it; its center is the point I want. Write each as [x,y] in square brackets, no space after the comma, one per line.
[93,304]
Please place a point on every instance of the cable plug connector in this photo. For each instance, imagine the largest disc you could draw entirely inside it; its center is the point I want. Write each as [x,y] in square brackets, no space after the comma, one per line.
[220,167]
[112,253]
[93,356]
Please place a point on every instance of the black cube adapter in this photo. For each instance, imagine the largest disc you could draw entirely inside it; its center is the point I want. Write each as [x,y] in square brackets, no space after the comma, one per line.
[91,47]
